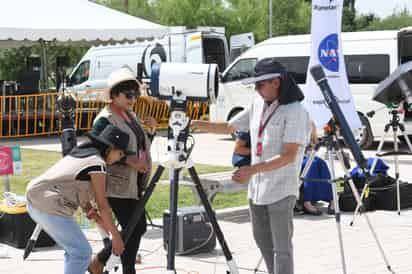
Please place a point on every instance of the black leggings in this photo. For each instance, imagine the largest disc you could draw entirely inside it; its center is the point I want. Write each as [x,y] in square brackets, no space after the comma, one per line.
[123,210]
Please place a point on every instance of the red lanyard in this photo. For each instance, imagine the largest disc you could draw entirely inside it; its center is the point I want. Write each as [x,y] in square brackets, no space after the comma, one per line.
[262,126]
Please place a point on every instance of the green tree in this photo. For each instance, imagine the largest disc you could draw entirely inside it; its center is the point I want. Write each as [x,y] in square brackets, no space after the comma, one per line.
[247,16]
[190,13]
[394,22]
[140,8]
[288,17]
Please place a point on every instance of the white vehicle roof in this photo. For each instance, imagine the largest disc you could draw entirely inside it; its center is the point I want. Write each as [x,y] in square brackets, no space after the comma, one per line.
[306,38]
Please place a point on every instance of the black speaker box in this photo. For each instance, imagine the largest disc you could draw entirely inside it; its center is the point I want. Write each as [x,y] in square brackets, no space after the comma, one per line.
[194,231]
[33,63]
[29,82]
[16,229]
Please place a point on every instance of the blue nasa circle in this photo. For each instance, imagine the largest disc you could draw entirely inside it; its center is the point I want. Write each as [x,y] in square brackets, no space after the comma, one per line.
[328,52]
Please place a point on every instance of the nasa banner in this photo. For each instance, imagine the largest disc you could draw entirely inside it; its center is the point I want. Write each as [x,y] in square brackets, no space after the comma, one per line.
[327,51]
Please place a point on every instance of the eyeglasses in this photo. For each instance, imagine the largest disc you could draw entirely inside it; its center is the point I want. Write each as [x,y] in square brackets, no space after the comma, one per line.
[129,94]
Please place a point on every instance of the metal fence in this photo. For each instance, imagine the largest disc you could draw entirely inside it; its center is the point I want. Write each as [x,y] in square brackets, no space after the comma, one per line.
[36,114]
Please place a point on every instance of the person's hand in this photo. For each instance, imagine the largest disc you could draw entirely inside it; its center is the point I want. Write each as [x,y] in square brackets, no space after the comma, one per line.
[136,163]
[117,244]
[243,174]
[151,123]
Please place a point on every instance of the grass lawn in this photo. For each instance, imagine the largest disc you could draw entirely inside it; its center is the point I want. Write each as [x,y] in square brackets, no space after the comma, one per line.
[36,162]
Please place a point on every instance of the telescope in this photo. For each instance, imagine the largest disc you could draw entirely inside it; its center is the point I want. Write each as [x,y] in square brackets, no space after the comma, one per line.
[196,82]
[397,87]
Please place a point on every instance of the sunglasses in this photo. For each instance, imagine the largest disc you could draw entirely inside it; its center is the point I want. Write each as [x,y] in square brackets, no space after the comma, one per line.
[129,94]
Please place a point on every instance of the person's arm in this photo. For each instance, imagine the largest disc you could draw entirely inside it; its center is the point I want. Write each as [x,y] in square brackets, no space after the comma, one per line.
[99,188]
[313,134]
[239,122]
[134,162]
[213,127]
[287,156]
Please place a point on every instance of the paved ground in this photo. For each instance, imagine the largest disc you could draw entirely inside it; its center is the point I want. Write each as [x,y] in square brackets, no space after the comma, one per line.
[316,239]
[316,248]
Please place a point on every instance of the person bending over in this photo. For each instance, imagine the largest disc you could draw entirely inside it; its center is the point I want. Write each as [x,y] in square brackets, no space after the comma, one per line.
[78,180]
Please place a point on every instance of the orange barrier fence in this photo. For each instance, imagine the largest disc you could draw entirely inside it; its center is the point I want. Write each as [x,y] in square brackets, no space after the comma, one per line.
[36,114]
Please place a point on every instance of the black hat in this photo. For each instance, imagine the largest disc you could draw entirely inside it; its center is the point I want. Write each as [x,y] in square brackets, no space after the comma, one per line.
[269,68]
[266,69]
[111,136]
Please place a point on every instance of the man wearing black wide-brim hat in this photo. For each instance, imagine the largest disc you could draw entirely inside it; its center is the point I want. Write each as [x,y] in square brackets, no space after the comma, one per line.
[280,128]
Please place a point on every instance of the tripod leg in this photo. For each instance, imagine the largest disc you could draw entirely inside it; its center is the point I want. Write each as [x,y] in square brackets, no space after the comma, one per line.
[375,161]
[331,156]
[309,163]
[359,201]
[408,141]
[209,211]
[171,247]
[396,157]
[32,241]
[358,208]
[105,254]
[258,265]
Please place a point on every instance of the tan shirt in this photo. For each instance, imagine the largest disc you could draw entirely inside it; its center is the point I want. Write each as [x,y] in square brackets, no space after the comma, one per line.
[121,179]
[58,192]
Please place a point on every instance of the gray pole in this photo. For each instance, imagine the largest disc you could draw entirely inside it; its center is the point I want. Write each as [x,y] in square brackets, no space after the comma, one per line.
[44,85]
[270,18]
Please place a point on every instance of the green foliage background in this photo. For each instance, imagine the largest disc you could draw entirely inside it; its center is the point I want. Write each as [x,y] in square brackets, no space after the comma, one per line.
[237,16]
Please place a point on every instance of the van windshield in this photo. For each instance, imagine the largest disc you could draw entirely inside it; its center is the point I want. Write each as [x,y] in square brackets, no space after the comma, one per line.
[244,68]
[81,74]
[405,46]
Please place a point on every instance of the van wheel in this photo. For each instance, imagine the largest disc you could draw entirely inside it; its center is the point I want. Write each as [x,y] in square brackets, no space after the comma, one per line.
[231,115]
[365,137]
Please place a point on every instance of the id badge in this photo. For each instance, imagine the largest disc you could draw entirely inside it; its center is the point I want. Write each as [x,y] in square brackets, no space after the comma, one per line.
[259,149]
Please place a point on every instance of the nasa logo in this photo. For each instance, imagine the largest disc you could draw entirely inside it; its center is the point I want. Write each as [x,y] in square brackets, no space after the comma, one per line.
[328,52]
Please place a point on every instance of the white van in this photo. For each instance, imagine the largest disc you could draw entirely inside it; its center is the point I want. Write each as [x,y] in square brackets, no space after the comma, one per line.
[369,56]
[202,45]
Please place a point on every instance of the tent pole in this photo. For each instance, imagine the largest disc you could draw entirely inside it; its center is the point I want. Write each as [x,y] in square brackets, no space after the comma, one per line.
[44,85]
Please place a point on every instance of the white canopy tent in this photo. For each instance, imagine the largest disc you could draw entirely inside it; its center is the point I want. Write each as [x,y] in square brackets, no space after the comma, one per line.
[70,21]
[26,22]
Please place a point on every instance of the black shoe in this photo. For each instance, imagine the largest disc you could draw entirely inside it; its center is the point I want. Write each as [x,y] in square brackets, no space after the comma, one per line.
[298,210]
[315,212]
[330,211]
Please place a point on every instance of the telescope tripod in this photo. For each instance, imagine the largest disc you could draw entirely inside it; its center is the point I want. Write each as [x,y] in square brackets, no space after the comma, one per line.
[395,125]
[178,157]
[334,149]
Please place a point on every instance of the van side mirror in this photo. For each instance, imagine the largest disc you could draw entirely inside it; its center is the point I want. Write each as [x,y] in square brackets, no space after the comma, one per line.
[220,77]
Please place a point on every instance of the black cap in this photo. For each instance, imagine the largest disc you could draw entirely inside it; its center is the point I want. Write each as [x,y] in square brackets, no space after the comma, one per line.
[266,69]
[269,68]
[112,136]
